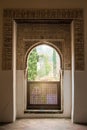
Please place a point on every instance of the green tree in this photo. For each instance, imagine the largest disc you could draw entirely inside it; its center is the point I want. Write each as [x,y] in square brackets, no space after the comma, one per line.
[32,64]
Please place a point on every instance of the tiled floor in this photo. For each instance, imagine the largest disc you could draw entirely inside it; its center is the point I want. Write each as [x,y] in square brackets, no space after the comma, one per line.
[43,124]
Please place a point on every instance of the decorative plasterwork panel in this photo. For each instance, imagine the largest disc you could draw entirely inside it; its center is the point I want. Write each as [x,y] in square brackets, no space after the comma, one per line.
[9,15]
[54,32]
[57,44]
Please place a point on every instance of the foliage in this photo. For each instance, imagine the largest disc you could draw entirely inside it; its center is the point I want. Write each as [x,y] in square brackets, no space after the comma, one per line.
[41,65]
[32,64]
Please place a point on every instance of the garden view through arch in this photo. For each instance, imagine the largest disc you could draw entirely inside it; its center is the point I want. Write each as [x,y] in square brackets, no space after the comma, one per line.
[43,78]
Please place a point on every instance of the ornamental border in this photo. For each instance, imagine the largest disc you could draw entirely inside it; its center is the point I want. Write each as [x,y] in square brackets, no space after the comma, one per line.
[10,15]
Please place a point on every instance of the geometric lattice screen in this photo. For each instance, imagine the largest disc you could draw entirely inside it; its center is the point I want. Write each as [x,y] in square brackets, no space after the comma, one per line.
[43,95]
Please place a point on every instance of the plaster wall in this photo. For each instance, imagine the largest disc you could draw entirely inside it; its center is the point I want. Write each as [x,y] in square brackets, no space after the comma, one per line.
[6,96]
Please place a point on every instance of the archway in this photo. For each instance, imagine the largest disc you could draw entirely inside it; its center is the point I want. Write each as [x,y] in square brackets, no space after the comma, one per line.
[44,78]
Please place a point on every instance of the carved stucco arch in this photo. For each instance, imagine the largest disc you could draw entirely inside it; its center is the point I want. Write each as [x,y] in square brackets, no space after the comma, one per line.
[46,43]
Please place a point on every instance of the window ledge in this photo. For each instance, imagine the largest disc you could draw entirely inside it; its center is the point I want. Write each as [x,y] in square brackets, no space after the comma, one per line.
[43,111]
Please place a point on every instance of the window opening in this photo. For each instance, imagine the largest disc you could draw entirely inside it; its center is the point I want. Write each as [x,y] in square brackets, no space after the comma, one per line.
[43,78]
[43,64]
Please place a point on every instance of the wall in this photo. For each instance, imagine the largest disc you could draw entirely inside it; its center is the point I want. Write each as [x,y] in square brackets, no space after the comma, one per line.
[31,31]
[6,81]
[80,107]
[6,94]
